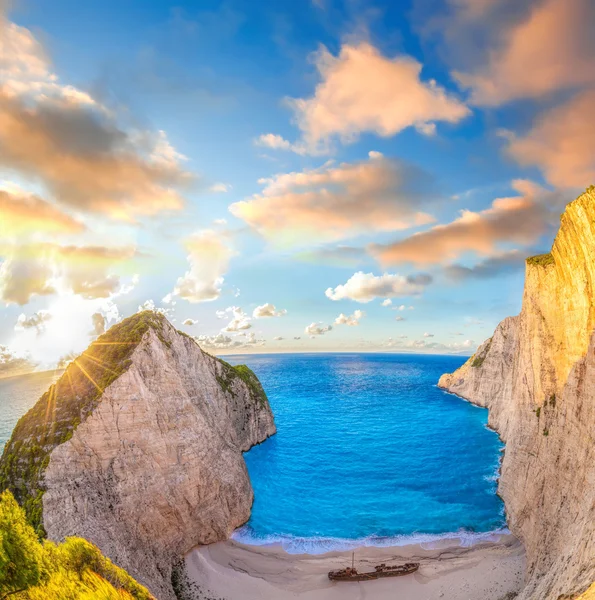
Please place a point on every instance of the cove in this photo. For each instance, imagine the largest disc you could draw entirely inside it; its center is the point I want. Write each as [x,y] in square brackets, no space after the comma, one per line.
[369,452]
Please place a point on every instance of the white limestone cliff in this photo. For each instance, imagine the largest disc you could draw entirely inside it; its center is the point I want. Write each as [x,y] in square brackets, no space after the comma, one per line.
[156,465]
[536,375]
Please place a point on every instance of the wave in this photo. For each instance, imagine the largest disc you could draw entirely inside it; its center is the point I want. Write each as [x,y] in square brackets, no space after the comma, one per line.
[321,545]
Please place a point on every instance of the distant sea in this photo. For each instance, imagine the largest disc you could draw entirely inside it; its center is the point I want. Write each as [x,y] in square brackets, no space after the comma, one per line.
[368,452]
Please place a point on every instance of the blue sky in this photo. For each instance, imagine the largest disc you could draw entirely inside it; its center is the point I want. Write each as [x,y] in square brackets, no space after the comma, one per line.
[311,158]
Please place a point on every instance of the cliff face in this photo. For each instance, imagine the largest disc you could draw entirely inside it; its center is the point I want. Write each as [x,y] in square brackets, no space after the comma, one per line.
[152,465]
[537,377]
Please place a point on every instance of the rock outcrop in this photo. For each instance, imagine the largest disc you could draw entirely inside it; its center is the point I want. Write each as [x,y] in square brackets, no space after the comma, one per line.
[138,448]
[536,376]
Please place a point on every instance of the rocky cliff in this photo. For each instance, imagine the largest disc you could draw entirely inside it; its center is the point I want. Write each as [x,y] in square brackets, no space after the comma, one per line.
[537,377]
[138,448]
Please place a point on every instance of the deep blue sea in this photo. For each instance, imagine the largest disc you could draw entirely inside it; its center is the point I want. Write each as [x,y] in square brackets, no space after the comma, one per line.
[368,451]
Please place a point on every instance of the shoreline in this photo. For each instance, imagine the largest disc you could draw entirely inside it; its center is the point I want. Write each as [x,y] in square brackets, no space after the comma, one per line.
[230,570]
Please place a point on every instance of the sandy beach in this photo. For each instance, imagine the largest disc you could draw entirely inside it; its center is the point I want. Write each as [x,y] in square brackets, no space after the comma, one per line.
[233,571]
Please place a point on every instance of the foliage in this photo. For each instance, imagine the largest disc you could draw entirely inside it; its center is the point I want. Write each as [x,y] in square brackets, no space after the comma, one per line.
[247,375]
[542,260]
[57,414]
[21,554]
[538,411]
[477,361]
[73,570]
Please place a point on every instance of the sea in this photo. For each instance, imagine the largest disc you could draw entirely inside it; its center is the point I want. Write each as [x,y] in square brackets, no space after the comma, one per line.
[368,452]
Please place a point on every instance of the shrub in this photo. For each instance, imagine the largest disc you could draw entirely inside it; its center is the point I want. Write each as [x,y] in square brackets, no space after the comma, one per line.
[21,554]
[542,260]
[75,569]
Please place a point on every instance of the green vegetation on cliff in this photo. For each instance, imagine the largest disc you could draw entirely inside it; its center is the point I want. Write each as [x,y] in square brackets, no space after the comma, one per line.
[542,260]
[230,373]
[75,569]
[67,403]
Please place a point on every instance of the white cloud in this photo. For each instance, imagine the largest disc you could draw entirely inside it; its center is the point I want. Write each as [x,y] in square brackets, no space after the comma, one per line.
[240,320]
[13,363]
[99,322]
[428,335]
[268,310]
[189,322]
[351,320]
[209,256]
[277,142]
[315,329]
[278,338]
[387,302]
[399,318]
[220,188]
[150,305]
[363,91]
[365,287]
[337,201]
[36,320]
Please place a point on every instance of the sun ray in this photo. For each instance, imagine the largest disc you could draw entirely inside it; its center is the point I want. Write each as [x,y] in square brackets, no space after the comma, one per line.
[50,402]
[72,390]
[98,362]
[84,372]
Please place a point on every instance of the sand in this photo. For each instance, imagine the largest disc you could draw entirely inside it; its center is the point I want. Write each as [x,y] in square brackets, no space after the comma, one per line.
[233,571]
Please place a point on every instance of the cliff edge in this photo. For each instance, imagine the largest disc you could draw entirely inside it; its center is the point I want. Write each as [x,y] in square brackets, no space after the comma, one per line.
[536,375]
[138,448]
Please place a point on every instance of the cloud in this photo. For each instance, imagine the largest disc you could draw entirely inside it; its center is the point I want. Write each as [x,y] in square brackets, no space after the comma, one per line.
[466,347]
[507,262]
[551,47]
[268,310]
[12,363]
[315,329]
[428,335]
[209,254]
[335,202]
[561,142]
[35,321]
[277,142]
[189,322]
[351,320]
[519,219]
[77,148]
[297,337]
[240,320]
[399,318]
[99,322]
[387,302]
[363,91]
[43,269]
[220,188]
[150,305]
[225,342]
[365,287]
[22,213]
[278,338]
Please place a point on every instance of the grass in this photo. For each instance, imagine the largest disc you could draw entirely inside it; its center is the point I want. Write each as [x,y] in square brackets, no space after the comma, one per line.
[230,373]
[542,260]
[477,361]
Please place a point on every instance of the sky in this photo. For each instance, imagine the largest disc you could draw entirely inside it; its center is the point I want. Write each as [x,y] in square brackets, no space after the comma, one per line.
[288,176]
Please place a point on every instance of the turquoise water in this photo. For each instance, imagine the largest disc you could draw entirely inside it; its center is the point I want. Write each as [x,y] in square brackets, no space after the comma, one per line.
[369,451]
